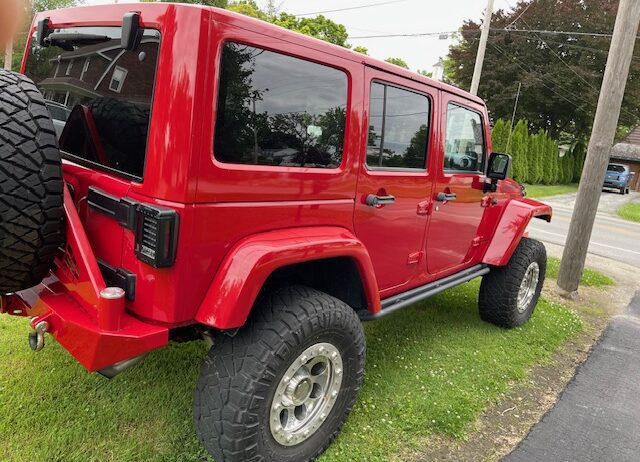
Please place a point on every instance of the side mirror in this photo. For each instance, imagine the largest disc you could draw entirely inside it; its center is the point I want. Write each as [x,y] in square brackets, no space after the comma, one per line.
[131,31]
[498,169]
[499,165]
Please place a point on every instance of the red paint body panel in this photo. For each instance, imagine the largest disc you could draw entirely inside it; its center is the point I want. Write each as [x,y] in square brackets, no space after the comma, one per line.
[239,223]
[252,260]
[511,227]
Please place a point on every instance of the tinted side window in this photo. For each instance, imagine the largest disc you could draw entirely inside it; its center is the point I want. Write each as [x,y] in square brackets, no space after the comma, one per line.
[464,142]
[398,128]
[278,110]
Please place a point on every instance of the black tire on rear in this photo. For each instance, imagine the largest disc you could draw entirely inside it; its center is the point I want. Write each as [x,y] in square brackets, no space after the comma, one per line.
[123,126]
[31,194]
[498,299]
[238,380]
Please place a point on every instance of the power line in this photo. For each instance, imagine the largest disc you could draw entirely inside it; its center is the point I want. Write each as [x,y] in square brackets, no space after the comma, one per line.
[369,5]
[520,15]
[477,31]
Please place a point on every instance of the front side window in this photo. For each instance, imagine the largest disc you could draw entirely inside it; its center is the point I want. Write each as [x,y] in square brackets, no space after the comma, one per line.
[101,106]
[274,109]
[464,141]
[398,128]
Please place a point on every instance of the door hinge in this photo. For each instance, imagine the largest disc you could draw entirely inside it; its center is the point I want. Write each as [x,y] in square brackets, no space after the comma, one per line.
[424,207]
[414,258]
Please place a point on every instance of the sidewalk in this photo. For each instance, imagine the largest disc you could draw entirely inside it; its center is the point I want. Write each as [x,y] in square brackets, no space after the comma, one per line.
[597,418]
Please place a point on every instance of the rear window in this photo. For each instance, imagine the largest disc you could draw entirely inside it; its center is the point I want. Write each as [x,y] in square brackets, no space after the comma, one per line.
[274,109]
[99,95]
[616,168]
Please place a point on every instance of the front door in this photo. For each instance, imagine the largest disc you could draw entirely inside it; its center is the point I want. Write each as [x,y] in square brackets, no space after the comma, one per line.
[458,205]
[394,184]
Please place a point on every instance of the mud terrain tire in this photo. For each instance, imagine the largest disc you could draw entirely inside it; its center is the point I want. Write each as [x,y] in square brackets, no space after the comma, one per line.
[123,127]
[31,194]
[239,381]
[500,291]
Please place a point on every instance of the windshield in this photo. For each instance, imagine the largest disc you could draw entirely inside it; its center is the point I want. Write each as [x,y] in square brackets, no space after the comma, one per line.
[99,95]
[616,168]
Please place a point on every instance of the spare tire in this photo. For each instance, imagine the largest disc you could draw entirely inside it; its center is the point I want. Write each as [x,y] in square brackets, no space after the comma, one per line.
[31,186]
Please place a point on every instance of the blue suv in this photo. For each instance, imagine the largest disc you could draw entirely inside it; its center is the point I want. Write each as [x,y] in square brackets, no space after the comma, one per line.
[618,177]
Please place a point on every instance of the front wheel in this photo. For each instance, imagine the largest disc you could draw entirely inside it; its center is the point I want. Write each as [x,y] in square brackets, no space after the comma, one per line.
[509,294]
[282,387]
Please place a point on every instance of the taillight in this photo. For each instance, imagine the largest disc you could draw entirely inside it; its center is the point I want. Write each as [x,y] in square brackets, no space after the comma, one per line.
[156,235]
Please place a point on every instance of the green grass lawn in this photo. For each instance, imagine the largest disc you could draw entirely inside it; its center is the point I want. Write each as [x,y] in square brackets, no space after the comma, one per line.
[543,190]
[431,369]
[590,278]
[630,212]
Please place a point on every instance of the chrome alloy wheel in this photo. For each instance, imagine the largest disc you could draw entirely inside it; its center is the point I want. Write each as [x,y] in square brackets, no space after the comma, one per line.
[528,286]
[306,394]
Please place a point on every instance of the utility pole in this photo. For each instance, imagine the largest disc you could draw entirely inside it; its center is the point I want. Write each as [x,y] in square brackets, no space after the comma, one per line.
[602,135]
[8,55]
[477,70]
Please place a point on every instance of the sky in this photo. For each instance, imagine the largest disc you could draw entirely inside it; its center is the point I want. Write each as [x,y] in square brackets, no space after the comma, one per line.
[406,16]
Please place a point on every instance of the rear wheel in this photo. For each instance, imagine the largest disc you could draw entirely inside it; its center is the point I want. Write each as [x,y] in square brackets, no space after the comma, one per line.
[509,294]
[31,210]
[282,387]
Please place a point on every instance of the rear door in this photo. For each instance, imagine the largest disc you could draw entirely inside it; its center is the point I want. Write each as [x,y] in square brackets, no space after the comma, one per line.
[99,97]
[394,184]
[458,197]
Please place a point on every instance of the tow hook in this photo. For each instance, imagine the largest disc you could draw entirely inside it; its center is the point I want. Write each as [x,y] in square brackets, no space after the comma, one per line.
[36,338]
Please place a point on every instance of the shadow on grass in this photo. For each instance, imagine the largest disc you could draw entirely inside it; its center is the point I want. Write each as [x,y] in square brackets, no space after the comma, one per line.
[431,368]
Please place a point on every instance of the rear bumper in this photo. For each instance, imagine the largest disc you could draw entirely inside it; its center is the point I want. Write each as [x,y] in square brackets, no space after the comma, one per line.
[77,328]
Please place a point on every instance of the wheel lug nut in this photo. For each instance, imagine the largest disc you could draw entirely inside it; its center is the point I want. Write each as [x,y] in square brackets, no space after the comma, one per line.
[339,371]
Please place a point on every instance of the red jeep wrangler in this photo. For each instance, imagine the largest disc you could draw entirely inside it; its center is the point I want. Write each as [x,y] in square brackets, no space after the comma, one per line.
[183,172]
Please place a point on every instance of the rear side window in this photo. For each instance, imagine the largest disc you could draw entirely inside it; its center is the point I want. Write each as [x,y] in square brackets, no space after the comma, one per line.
[277,110]
[464,142]
[98,95]
[398,128]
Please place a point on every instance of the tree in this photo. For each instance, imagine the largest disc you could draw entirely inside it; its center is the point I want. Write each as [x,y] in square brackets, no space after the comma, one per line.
[519,149]
[216,3]
[560,73]
[33,7]
[499,135]
[425,73]
[398,62]
[361,49]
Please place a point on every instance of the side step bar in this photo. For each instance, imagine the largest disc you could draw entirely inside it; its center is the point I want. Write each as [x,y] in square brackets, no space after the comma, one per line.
[404,299]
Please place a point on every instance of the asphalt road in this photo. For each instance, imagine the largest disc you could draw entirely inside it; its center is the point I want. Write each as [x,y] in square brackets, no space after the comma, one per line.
[612,237]
[598,415]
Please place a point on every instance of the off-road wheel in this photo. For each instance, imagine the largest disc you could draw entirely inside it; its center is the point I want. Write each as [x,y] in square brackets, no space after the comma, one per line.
[622,190]
[31,211]
[282,387]
[509,294]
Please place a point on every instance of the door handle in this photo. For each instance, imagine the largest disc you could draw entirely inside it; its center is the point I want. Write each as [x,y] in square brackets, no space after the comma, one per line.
[446,197]
[373,201]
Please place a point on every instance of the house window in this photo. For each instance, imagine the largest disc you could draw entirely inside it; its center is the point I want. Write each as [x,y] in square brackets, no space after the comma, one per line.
[85,68]
[69,67]
[117,79]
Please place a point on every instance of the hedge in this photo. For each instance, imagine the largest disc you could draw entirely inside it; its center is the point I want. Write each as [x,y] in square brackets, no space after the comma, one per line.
[536,156]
